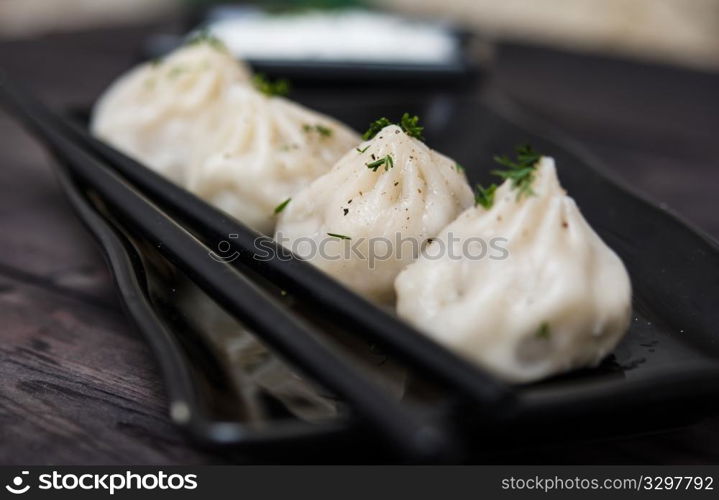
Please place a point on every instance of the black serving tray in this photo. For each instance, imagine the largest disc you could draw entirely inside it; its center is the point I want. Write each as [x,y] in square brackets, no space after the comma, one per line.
[664,373]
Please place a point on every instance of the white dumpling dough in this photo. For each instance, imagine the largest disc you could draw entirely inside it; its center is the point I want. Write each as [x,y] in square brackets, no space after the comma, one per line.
[412,200]
[259,151]
[150,112]
[196,118]
[561,299]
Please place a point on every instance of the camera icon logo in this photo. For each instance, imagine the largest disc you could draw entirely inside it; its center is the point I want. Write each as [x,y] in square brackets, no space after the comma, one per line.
[16,487]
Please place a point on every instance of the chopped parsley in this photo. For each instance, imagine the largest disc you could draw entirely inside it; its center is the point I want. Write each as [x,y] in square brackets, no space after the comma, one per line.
[458,167]
[409,124]
[340,236]
[279,208]
[411,127]
[176,71]
[387,161]
[520,171]
[280,87]
[375,127]
[360,151]
[320,129]
[485,196]
[543,331]
[325,131]
[205,36]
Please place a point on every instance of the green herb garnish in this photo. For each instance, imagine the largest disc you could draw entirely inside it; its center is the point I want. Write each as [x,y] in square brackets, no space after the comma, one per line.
[320,129]
[458,167]
[325,131]
[176,71]
[410,125]
[375,127]
[340,236]
[360,151]
[280,87]
[485,196]
[205,36]
[279,208]
[521,170]
[543,331]
[387,161]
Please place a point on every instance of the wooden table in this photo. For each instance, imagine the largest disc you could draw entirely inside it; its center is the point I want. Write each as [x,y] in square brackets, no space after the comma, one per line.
[80,386]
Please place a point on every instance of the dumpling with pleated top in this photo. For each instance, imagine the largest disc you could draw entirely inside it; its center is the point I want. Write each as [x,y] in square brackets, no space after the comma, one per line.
[150,112]
[199,118]
[368,217]
[528,289]
[261,149]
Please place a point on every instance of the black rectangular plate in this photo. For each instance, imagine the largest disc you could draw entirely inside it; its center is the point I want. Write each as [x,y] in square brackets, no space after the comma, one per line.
[666,370]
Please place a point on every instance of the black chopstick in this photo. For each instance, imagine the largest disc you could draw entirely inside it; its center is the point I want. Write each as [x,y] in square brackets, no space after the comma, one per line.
[412,433]
[296,276]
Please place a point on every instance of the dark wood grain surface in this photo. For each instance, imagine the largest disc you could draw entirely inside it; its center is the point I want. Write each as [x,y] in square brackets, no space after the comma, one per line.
[79,384]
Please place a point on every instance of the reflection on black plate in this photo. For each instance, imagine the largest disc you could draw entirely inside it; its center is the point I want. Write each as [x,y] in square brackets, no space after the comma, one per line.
[226,389]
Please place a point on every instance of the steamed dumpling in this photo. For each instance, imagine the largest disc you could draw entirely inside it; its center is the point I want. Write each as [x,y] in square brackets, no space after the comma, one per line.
[259,151]
[547,296]
[363,225]
[196,118]
[150,113]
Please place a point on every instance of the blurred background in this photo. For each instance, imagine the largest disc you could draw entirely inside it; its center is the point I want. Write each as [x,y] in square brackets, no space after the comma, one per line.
[682,32]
